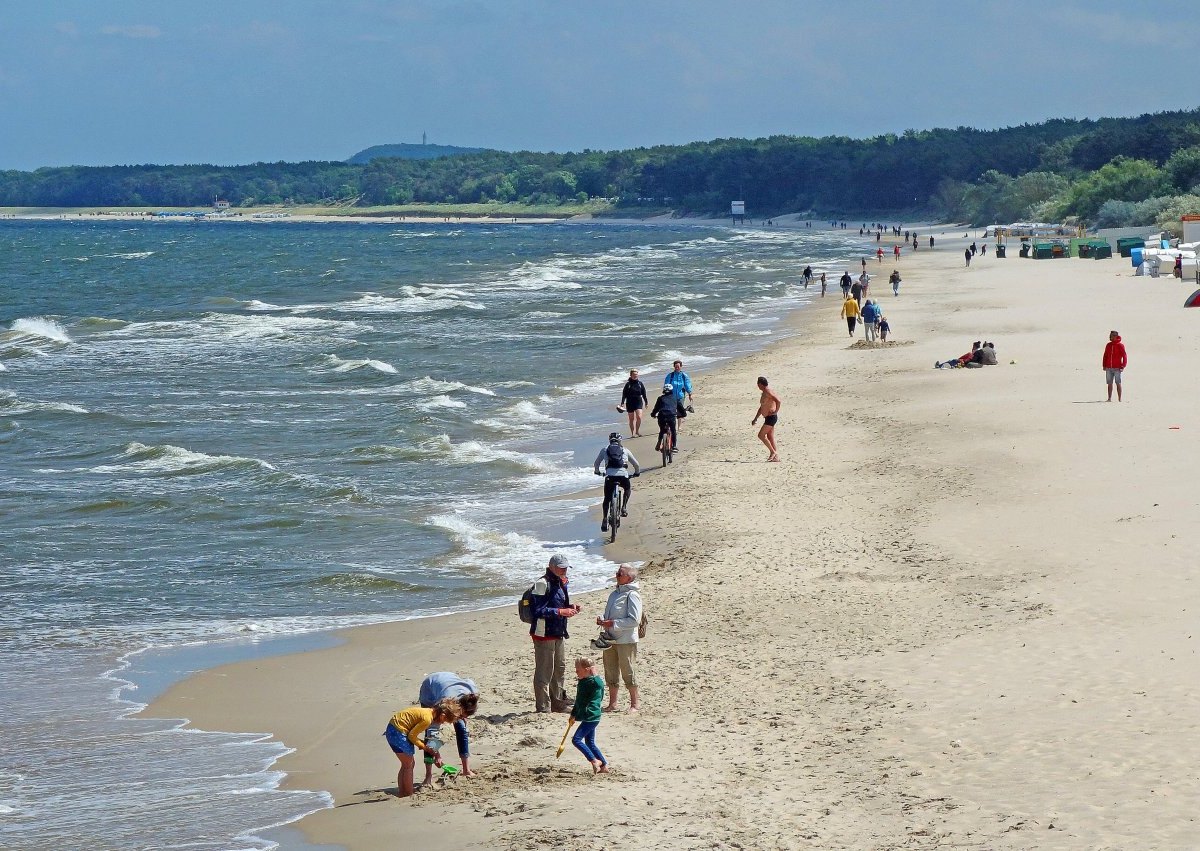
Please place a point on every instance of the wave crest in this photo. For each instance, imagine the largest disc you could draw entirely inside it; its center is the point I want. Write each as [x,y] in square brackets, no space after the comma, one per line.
[168,460]
[40,326]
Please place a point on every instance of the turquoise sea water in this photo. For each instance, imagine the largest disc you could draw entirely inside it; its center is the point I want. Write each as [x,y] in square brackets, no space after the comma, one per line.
[212,431]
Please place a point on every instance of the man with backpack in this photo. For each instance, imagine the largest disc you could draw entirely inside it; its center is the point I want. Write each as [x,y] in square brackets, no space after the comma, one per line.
[547,605]
[616,460]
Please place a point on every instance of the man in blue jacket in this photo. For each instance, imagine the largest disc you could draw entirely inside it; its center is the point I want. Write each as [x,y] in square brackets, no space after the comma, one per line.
[551,610]
[680,383]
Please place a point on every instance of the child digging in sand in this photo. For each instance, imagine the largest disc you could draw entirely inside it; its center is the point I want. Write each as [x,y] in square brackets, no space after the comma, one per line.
[589,695]
[403,734]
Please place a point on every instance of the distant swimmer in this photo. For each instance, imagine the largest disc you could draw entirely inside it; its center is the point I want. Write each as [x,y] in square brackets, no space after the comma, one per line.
[768,409]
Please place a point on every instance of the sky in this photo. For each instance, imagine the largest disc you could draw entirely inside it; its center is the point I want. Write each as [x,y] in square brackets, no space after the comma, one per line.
[112,82]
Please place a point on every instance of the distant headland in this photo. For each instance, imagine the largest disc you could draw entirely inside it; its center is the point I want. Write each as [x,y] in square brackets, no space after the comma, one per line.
[1108,172]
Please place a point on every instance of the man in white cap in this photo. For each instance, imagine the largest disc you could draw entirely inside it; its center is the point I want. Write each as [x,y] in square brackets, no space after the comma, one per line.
[552,609]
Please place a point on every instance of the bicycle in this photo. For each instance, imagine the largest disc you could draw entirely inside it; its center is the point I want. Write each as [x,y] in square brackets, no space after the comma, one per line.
[667,447]
[616,506]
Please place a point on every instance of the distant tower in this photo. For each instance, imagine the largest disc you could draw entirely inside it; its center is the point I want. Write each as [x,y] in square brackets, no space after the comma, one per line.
[422,137]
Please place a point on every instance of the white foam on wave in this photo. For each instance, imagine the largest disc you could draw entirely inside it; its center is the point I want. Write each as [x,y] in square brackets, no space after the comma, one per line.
[700,328]
[509,555]
[40,326]
[442,401]
[241,327]
[11,406]
[669,357]
[678,310]
[600,383]
[411,300]
[523,416]
[165,458]
[130,255]
[434,385]
[261,306]
[471,452]
[340,365]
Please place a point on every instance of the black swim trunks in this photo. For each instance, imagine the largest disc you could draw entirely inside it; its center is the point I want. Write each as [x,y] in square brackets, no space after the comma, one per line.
[770,419]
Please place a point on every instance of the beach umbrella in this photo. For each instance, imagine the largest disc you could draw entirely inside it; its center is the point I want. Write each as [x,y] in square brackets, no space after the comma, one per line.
[1193,300]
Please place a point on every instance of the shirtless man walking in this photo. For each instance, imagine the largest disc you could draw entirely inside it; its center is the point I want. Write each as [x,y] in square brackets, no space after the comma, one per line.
[768,409]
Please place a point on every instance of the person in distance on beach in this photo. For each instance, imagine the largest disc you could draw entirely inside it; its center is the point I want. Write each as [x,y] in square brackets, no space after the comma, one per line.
[822,285]
[895,281]
[884,328]
[633,400]
[620,621]
[551,611]
[403,736]
[967,255]
[846,282]
[856,292]
[850,312]
[768,409]
[447,685]
[1114,363]
[808,274]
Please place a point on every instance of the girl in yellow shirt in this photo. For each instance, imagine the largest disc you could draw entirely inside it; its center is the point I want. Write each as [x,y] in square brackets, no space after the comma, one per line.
[403,734]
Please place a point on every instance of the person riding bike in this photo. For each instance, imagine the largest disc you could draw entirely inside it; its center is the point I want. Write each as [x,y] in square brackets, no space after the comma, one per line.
[667,410]
[616,460]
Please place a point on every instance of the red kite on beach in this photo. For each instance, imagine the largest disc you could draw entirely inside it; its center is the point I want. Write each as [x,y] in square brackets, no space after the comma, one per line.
[1193,300]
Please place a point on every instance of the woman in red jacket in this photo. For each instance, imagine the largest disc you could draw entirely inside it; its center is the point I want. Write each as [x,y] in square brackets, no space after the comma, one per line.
[1114,361]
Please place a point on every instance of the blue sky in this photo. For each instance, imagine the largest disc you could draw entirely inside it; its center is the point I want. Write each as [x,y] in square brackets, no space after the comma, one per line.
[99,82]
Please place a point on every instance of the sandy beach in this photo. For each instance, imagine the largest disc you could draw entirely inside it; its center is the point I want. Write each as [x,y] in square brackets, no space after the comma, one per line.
[958,614]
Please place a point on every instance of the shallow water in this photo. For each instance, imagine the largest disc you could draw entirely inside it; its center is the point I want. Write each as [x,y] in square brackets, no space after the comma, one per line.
[220,430]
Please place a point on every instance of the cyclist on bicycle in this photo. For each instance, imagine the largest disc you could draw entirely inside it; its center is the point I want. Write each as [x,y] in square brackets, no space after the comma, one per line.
[667,410]
[616,460]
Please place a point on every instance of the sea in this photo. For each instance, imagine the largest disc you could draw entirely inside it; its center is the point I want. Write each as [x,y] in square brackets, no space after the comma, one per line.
[221,439]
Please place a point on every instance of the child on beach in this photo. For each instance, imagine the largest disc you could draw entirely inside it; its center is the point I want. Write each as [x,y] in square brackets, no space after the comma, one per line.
[884,328]
[403,735]
[589,695]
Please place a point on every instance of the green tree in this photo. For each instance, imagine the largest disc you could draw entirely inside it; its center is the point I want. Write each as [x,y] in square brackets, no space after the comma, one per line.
[1122,179]
[1182,169]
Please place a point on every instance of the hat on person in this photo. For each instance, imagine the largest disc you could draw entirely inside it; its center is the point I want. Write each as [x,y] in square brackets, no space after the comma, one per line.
[667,388]
[558,560]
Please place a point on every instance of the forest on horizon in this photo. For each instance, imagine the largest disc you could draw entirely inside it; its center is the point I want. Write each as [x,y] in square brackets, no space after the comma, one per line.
[1105,172]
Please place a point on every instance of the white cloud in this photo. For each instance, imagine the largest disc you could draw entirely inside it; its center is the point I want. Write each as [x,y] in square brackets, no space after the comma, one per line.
[67,28]
[132,30]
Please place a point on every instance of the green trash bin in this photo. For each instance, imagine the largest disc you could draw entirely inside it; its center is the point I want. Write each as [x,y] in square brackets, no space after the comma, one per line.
[1102,252]
[1126,244]
[1000,249]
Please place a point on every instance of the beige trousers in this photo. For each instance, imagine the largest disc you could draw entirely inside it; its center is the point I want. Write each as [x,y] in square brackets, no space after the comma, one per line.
[619,658]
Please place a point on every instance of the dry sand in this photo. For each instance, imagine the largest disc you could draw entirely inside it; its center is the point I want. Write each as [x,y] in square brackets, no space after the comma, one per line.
[960,613]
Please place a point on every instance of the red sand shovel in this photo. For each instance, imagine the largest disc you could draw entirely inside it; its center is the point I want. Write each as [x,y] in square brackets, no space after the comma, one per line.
[563,744]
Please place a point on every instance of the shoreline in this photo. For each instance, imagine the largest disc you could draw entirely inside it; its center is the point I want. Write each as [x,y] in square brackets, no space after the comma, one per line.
[932,623]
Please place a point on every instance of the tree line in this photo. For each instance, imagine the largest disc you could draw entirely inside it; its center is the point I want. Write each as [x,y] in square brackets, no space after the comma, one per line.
[1108,171]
